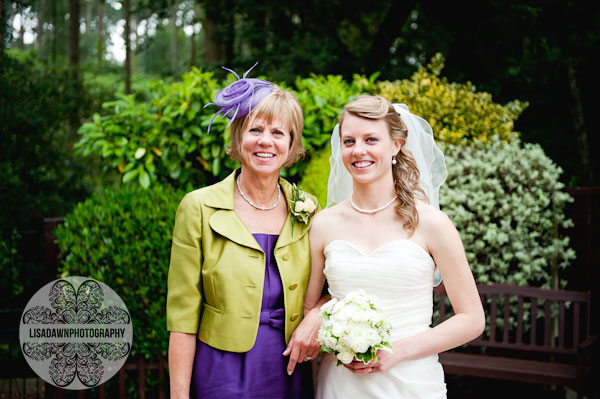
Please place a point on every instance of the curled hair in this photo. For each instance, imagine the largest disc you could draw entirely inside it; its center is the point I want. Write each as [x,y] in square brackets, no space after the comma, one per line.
[405,171]
[282,105]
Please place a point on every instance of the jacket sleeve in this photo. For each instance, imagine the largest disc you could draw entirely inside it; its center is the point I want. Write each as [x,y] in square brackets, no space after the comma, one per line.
[184,293]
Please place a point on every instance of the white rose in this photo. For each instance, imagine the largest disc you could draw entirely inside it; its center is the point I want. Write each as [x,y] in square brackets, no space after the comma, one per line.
[358,337]
[328,306]
[300,206]
[309,205]
[339,328]
[345,357]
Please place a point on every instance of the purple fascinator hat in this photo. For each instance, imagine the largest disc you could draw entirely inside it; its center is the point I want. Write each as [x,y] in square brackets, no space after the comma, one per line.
[238,99]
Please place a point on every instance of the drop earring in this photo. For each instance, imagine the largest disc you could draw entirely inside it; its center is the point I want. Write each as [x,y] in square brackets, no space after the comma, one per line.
[394,161]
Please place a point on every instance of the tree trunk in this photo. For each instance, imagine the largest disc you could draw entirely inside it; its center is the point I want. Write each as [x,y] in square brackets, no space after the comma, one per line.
[579,125]
[54,32]
[40,26]
[9,25]
[88,16]
[99,40]
[175,59]
[127,33]
[3,23]
[21,28]
[213,48]
[74,35]
[193,49]
[229,39]
[133,41]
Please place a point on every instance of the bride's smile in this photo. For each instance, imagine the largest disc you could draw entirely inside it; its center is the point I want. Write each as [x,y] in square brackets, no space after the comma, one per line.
[367,148]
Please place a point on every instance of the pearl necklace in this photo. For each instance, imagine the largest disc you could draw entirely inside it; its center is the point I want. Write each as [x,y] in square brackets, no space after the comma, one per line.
[262,208]
[371,211]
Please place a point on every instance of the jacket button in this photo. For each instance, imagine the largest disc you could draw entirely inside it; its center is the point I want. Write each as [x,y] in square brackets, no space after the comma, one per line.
[294,317]
[285,256]
[293,286]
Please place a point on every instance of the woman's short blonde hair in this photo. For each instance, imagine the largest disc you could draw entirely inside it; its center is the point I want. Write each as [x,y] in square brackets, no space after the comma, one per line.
[282,105]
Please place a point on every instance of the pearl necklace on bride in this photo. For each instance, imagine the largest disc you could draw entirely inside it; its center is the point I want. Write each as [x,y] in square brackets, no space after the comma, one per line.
[371,211]
[262,208]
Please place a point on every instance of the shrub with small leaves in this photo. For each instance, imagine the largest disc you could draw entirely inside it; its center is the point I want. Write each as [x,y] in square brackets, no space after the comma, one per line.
[123,238]
[507,203]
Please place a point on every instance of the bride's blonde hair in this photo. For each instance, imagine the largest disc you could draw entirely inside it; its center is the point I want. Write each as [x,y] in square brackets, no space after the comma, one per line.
[405,171]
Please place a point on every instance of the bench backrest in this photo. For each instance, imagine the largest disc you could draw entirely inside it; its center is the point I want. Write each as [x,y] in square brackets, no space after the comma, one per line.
[562,318]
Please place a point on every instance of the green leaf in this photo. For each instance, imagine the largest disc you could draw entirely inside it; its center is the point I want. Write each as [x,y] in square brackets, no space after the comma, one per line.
[139,153]
[128,176]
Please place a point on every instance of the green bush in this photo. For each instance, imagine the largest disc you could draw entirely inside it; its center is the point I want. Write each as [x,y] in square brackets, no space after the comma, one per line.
[163,139]
[457,112]
[123,238]
[316,174]
[508,205]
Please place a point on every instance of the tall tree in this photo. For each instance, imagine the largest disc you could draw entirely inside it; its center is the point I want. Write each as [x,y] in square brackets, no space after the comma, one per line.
[174,46]
[40,25]
[127,36]
[21,26]
[213,24]
[3,24]
[193,48]
[99,38]
[53,15]
[88,15]
[74,8]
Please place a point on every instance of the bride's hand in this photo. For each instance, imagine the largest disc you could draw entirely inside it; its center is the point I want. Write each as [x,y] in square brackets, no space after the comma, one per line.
[386,361]
[303,345]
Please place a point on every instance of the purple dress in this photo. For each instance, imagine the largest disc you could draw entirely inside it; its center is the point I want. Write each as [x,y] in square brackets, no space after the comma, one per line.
[260,372]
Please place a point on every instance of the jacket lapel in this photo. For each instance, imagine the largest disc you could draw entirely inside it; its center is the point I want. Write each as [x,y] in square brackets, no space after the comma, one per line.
[224,220]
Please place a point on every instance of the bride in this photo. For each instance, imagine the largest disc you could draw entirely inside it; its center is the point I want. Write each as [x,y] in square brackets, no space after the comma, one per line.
[387,236]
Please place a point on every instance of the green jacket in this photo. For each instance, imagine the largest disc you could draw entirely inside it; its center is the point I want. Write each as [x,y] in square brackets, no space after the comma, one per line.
[217,270]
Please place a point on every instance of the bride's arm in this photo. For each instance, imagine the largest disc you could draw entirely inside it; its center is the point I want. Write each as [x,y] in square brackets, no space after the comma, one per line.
[303,342]
[468,322]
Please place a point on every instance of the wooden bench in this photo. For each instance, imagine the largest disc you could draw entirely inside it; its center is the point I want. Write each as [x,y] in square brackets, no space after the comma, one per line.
[553,350]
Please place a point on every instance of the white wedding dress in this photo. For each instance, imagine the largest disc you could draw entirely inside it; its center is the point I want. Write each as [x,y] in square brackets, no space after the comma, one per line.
[400,274]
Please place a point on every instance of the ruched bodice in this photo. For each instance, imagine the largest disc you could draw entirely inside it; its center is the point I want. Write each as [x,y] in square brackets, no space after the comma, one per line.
[400,274]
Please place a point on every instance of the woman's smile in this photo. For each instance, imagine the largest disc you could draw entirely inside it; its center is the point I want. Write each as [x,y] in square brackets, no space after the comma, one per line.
[265,146]
[362,164]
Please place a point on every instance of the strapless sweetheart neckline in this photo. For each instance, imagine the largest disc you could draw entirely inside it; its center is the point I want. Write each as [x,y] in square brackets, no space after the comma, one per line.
[365,253]
[400,274]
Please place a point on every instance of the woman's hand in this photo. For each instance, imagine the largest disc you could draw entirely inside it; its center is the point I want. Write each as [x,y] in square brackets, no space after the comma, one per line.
[386,361]
[303,345]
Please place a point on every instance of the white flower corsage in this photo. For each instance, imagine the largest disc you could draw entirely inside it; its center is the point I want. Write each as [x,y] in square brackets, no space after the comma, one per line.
[301,206]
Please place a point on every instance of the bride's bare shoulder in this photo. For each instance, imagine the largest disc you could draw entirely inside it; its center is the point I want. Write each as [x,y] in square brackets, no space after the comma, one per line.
[431,218]
[327,218]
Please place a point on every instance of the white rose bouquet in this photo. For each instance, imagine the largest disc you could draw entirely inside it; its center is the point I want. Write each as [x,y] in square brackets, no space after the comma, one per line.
[354,327]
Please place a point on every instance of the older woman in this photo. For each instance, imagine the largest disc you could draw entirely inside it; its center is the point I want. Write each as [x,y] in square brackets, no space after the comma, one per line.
[240,259]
